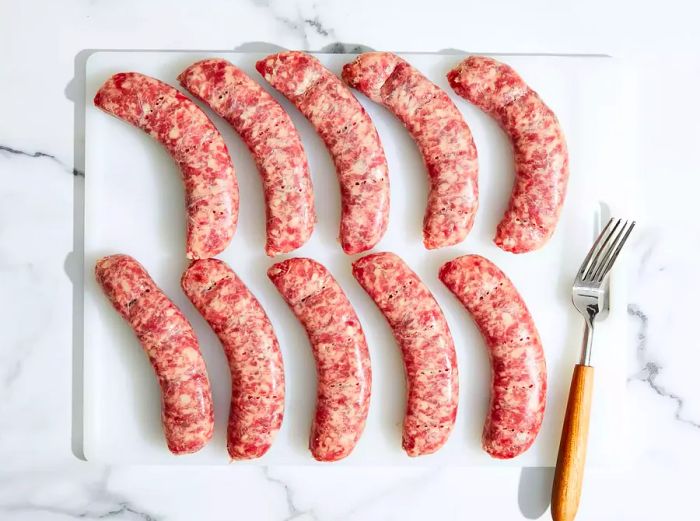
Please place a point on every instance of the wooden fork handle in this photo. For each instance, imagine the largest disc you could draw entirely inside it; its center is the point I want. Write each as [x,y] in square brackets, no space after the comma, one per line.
[568,476]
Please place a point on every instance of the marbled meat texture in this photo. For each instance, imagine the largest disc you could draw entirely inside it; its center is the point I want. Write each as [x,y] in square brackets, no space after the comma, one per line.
[351,138]
[519,372]
[539,145]
[252,351]
[421,331]
[439,130]
[340,351]
[273,141]
[171,345]
[211,189]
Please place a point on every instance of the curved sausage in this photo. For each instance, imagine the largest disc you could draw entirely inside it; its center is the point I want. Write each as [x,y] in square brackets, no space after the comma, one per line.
[428,351]
[252,351]
[340,351]
[540,152]
[519,372]
[273,141]
[171,345]
[350,136]
[439,130]
[211,189]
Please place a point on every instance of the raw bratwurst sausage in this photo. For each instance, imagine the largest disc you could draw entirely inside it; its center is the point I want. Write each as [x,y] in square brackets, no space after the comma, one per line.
[211,189]
[340,351]
[171,345]
[252,351]
[439,130]
[352,140]
[428,351]
[273,141]
[519,373]
[541,157]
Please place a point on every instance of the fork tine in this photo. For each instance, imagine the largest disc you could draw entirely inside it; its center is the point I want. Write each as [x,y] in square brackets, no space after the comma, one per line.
[605,254]
[611,256]
[595,262]
[584,264]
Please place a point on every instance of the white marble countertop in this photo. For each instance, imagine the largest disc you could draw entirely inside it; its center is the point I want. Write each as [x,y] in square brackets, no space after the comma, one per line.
[41,168]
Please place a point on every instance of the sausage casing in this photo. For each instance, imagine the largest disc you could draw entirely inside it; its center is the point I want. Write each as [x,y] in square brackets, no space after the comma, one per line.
[211,189]
[421,330]
[519,372]
[350,136]
[252,351]
[340,350]
[539,146]
[269,134]
[172,348]
[438,128]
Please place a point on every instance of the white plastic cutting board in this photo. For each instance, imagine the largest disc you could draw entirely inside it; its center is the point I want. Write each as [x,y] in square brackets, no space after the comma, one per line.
[134,204]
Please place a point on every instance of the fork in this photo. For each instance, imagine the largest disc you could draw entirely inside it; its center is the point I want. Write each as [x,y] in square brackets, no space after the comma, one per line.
[590,295]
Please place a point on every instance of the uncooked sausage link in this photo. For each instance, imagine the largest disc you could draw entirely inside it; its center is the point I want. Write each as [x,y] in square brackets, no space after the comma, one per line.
[350,136]
[439,130]
[540,152]
[171,345]
[273,141]
[252,351]
[421,330]
[340,351]
[211,189]
[519,372]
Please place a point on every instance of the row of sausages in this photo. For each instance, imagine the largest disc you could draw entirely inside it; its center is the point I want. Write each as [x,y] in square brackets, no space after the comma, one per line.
[519,378]
[430,116]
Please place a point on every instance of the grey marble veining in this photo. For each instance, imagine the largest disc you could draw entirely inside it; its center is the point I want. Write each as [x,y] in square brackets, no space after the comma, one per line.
[293,510]
[40,155]
[649,369]
[302,20]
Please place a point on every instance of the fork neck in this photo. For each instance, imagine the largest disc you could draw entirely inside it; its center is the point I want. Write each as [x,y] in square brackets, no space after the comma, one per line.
[587,346]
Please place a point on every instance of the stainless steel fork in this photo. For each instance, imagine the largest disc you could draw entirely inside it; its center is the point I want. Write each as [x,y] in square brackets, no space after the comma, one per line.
[590,297]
